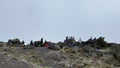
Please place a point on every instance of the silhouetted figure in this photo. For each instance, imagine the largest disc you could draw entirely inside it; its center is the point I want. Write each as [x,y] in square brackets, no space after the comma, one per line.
[45,41]
[31,43]
[46,44]
[41,42]
[22,42]
[66,37]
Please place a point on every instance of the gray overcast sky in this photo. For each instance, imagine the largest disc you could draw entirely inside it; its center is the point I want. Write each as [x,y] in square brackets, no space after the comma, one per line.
[55,19]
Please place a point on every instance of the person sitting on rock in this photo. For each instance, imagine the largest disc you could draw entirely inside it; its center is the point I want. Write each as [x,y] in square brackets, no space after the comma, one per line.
[46,44]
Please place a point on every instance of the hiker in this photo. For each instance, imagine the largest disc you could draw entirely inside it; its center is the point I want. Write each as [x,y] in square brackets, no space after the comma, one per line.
[41,42]
[36,44]
[31,43]
[80,41]
[22,42]
[46,44]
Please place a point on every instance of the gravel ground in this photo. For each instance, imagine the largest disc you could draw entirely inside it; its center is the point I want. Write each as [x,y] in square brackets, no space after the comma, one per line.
[7,62]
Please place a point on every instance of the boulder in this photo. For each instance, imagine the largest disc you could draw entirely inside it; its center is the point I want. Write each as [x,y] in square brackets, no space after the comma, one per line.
[14,42]
[57,47]
[54,47]
[61,44]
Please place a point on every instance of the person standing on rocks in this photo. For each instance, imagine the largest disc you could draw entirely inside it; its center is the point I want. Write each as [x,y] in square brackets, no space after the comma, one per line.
[41,42]
[22,42]
[31,43]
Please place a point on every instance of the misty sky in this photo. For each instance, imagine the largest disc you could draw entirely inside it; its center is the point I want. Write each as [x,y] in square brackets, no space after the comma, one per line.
[55,19]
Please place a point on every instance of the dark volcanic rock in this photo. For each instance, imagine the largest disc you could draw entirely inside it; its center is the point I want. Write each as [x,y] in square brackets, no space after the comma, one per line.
[14,42]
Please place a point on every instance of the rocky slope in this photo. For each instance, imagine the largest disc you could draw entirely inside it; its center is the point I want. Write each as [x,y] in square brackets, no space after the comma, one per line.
[94,53]
[42,57]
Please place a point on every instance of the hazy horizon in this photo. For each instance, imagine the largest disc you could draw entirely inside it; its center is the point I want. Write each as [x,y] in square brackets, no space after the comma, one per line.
[55,19]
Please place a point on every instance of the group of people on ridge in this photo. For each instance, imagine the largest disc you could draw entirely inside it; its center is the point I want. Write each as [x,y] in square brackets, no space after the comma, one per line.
[40,43]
